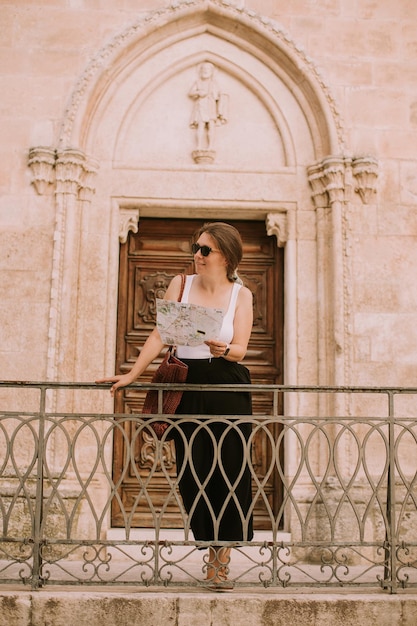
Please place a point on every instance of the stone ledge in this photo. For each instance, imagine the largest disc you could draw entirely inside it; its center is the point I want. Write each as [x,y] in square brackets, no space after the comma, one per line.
[73,607]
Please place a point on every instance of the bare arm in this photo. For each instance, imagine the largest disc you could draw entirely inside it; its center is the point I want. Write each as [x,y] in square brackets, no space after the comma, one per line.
[150,350]
[242,328]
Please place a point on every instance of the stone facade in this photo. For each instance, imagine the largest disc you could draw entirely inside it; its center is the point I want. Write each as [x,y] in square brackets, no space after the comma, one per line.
[335,84]
[314,132]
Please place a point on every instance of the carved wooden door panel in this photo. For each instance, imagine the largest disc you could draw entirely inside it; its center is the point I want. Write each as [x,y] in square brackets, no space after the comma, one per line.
[148,261]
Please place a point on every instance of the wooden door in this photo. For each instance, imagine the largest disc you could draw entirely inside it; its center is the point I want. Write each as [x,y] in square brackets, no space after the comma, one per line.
[148,262]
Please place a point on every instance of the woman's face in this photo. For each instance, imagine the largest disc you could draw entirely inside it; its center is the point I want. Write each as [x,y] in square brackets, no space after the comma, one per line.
[214,261]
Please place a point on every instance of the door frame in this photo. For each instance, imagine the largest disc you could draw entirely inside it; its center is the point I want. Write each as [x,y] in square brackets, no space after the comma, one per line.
[279,218]
[279,222]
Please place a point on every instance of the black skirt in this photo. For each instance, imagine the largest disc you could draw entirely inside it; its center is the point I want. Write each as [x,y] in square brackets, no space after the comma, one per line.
[215,485]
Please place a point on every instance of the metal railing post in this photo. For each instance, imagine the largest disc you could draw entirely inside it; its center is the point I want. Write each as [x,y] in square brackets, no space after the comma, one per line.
[38,517]
[391,543]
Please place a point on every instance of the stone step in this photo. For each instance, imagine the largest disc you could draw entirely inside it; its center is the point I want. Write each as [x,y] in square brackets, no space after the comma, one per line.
[115,607]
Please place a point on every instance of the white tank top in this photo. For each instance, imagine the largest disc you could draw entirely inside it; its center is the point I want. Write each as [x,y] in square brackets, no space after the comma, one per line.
[226,332]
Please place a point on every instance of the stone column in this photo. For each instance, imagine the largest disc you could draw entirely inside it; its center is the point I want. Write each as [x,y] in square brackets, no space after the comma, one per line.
[69,174]
[334,181]
[283,226]
[331,181]
[328,182]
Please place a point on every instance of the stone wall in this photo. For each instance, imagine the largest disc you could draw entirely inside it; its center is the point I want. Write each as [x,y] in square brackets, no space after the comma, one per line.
[319,143]
[363,54]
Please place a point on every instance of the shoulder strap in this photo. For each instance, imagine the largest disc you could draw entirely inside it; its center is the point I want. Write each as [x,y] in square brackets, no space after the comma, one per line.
[182,287]
[171,349]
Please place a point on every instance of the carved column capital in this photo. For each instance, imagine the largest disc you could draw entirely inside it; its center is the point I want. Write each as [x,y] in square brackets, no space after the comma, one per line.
[277,224]
[317,184]
[365,171]
[334,178]
[327,180]
[87,188]
[330,179]
[128,221]
[69,171]
[42,165]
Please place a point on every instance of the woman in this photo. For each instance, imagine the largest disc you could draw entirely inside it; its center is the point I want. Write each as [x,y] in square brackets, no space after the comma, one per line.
[217,512]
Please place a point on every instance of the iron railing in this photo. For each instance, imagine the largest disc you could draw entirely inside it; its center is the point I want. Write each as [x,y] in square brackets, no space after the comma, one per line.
[345,459]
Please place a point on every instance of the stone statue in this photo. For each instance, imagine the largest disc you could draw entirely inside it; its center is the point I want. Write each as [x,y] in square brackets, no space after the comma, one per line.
[209,111]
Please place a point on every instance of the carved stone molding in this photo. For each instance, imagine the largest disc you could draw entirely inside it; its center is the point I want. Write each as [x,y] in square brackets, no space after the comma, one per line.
[67,171]
[42,163]
[327,180]
[333,171]
[277,224]
[365,171]
[69,168]
[87,188]
[220,12]
[316,180]
[330,179]
[128,221]
[204,156]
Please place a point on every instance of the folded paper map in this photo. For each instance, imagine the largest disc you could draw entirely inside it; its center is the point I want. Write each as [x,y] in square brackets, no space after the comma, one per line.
[183,324]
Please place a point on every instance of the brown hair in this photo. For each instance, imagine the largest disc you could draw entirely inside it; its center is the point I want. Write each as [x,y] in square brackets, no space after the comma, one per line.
[229,242]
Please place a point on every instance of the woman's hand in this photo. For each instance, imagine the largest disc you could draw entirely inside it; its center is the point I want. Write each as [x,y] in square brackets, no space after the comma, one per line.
[119,381]
[217,348]
[150,350]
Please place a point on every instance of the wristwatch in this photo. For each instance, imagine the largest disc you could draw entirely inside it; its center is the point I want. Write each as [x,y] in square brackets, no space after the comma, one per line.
[226,352]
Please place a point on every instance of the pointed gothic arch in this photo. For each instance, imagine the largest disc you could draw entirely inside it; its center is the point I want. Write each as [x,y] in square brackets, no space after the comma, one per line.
[164,29]
[257,59]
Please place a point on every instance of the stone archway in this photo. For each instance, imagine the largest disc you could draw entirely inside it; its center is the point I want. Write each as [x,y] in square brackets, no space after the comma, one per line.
[290,122]
[126,135]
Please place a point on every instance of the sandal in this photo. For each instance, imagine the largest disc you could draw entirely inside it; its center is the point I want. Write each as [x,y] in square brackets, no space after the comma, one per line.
[226,585]
[217,569]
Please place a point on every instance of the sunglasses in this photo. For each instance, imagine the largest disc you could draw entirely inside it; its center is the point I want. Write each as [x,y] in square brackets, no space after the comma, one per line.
[205,250]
